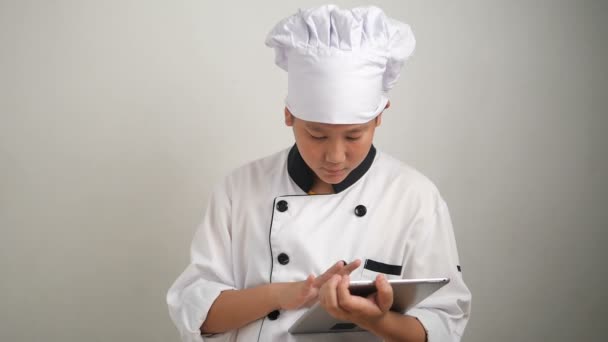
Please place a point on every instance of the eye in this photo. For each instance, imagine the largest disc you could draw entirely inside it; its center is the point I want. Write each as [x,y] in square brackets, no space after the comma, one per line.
[353,138]
[318,137]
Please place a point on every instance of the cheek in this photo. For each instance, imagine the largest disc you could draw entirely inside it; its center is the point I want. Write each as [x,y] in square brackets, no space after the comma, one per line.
[313,152]
[310,151]
[359,150]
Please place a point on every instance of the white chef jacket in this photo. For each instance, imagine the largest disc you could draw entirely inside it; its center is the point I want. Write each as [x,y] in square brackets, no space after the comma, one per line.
[261,227]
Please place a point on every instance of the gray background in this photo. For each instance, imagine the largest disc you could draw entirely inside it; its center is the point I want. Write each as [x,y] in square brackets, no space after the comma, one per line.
[117,118]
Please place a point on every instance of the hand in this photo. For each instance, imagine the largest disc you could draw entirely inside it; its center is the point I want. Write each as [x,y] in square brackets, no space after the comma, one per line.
[363,311]
[299,294]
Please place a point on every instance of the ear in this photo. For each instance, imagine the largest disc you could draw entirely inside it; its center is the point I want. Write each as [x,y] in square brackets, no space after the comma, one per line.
[288,118]
[378,119]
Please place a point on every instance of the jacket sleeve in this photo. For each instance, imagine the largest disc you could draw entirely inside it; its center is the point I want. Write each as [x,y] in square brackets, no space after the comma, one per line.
[433,254]
[210,270]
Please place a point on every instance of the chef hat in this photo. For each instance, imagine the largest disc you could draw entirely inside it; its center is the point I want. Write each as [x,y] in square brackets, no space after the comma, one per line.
[340,63]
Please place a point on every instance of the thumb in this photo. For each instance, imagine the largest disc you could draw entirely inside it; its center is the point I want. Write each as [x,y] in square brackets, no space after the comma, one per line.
[309,282]
[384,296]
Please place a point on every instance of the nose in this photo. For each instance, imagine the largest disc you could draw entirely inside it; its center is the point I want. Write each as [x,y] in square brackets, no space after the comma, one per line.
[335,153]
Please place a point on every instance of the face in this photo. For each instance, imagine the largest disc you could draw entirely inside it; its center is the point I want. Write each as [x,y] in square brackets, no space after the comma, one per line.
[332,151]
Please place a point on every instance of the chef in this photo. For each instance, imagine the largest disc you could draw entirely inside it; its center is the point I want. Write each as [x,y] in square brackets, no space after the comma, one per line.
[294,228]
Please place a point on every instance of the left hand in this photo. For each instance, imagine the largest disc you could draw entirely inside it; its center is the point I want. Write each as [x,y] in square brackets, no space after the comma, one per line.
[363,311]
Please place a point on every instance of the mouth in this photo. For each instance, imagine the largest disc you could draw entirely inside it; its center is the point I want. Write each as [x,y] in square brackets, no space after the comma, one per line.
[334,171]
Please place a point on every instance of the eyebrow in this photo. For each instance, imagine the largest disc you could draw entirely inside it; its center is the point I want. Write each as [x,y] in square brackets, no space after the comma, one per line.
[318,129]
[355,130]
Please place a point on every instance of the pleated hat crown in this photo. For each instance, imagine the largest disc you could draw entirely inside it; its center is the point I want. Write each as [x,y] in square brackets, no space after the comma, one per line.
[340,63]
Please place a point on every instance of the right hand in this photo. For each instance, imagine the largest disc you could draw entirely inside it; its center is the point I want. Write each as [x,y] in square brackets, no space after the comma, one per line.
[292,296]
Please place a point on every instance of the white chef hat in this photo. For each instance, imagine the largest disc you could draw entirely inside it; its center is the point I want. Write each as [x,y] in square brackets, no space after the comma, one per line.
[340,63]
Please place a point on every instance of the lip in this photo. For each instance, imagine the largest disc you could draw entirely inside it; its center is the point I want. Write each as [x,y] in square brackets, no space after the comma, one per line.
[334,172]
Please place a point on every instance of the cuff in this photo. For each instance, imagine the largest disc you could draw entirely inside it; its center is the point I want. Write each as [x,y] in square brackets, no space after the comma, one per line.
[436,330]
[197,303]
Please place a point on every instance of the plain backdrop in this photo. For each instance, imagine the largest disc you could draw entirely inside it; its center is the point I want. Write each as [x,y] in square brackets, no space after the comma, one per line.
[117,118]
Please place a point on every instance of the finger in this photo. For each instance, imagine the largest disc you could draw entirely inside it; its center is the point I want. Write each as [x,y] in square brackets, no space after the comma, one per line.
[343,294]
[330,272]
[310,280]
[384,296]
[309,292]
[309,283]
[328,294]
[351,267]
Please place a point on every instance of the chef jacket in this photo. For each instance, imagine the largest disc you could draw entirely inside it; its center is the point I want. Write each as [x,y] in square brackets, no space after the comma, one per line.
[261,226]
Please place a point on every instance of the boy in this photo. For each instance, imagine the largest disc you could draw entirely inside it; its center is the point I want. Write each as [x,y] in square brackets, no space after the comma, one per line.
[294,228]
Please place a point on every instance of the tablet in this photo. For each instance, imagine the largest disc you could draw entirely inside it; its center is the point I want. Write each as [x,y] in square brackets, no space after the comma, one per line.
[406,294]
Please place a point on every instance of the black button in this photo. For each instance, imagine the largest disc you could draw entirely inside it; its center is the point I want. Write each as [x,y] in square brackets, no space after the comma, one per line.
[274,315]
[282,206]
[283,259]
[360,210]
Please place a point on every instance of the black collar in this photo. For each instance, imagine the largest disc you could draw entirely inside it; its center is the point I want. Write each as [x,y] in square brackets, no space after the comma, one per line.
[304,176]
